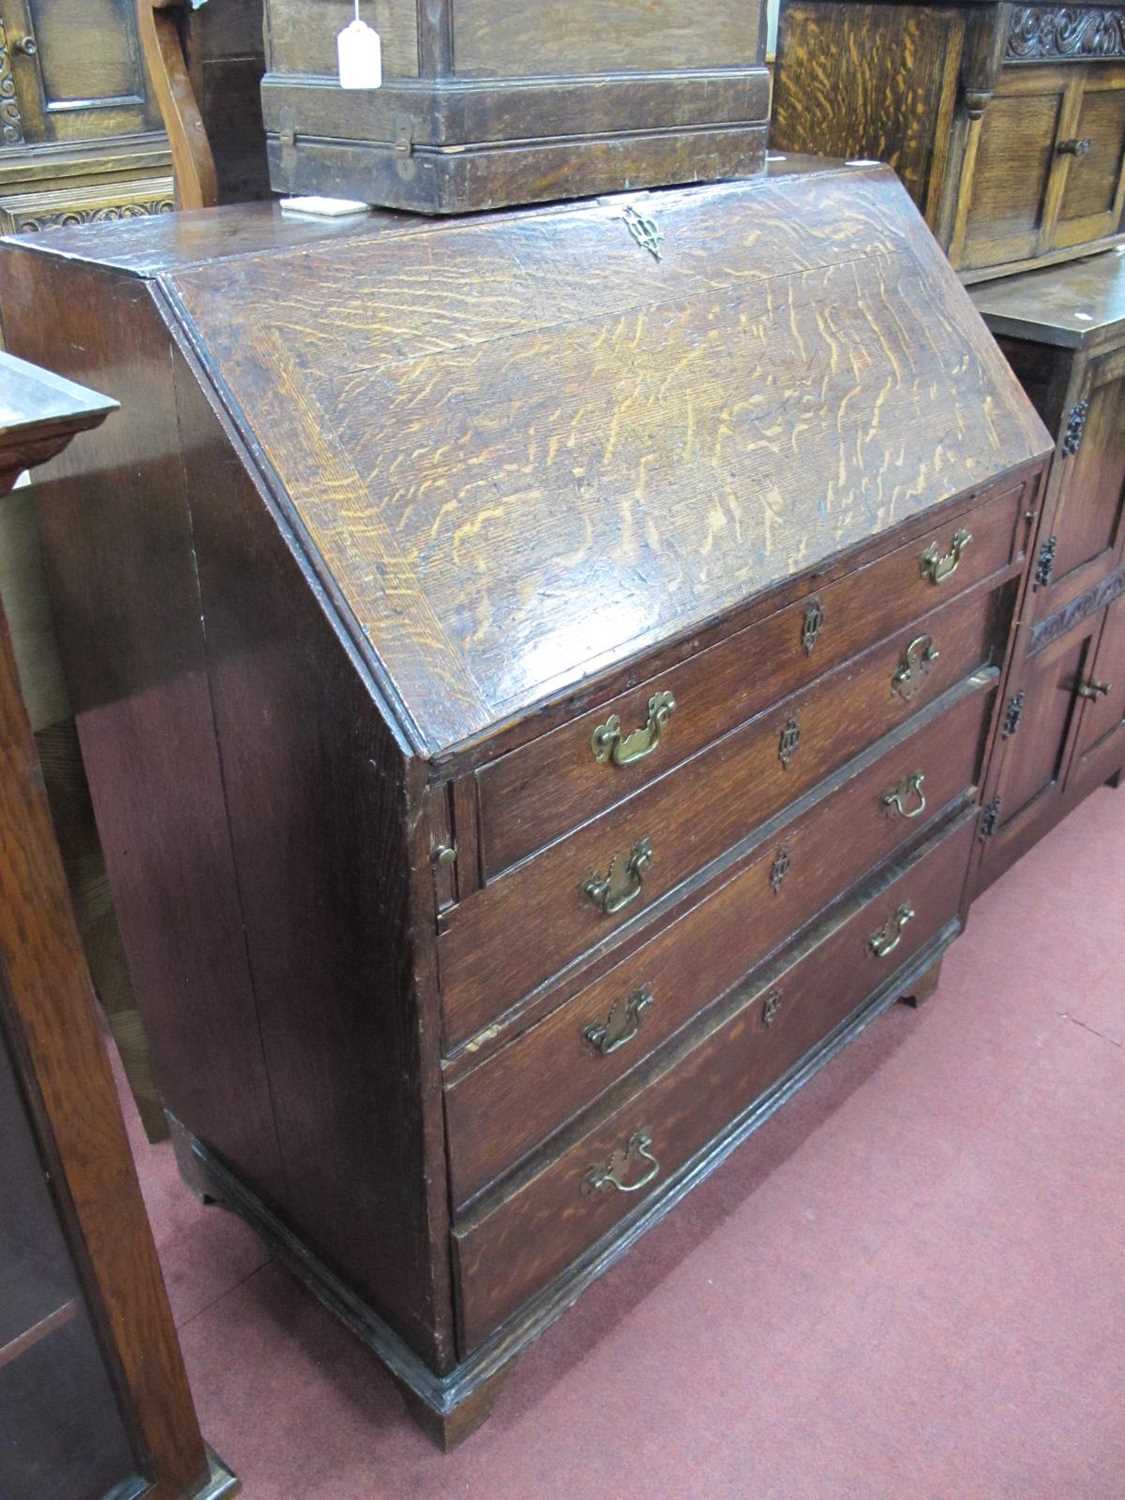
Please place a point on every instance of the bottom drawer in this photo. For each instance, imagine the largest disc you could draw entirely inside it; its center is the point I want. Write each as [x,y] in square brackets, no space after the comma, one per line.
[514,1245]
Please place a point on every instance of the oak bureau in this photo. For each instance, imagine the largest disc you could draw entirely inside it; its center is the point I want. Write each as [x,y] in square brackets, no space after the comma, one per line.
[535,673]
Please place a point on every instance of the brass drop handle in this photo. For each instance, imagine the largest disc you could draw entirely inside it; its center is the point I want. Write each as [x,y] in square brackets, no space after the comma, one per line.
[610,899]
[936,566]
[609,744]
[1094,690]
[27,45]
[887,939]
[910,786]
[621,1025]
[1076,146]
[600,1179]
[917,659]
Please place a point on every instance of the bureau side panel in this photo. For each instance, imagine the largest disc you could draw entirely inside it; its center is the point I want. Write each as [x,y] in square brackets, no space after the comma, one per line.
[118,547]
[337,893]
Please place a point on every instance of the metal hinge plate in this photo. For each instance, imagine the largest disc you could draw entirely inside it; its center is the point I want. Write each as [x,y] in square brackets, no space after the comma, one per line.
[1045,567]
[990,819]
[1075,428]
[1013,715]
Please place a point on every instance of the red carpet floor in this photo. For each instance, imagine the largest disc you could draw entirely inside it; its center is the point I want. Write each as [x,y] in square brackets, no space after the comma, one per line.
[909,1284]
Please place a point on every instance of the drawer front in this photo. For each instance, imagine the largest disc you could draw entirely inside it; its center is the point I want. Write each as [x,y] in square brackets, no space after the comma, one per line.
[505,1253]
[550,786]
[499,1111]
[646,847]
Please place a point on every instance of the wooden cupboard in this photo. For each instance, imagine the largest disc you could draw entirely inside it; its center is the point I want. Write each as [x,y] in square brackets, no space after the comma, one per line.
[1005,122]
[1063,330]
[80,136]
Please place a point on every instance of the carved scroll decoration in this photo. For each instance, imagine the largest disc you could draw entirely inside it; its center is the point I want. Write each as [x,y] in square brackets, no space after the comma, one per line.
[1042,33]
[1055,626]
[26,223]
[11,124]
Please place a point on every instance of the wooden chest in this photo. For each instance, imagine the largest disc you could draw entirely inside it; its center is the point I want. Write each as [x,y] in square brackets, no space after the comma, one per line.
[1063,731]
[493,102]
[535,696]
[1005,122]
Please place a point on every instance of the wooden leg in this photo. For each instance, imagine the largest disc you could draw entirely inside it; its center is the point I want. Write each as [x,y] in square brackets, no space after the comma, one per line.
[923,988]
[1117,778]
[449,1428]
[448,1408]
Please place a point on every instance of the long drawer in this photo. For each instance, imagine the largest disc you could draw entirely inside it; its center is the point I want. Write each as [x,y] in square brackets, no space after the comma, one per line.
[515,1245]
[650,844]
[511,1102]
[542,790]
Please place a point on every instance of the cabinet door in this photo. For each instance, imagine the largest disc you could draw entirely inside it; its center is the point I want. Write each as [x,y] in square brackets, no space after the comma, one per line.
[1103,714]
[1039,721]
[76,70]
[1091,152]
[1009,169]
[1087,525]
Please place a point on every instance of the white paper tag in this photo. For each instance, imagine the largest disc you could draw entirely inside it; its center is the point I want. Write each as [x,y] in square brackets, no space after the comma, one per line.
[361,56]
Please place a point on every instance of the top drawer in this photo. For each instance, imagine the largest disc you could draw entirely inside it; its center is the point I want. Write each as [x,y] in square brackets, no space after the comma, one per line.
[544,789]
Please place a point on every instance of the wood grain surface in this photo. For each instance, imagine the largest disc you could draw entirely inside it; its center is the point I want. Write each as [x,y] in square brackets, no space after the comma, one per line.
[302,39]
[142,702]
[520,470]
[510,37]
[869,81]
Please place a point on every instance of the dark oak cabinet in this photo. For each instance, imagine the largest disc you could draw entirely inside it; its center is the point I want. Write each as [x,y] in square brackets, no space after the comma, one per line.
[1063,330]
